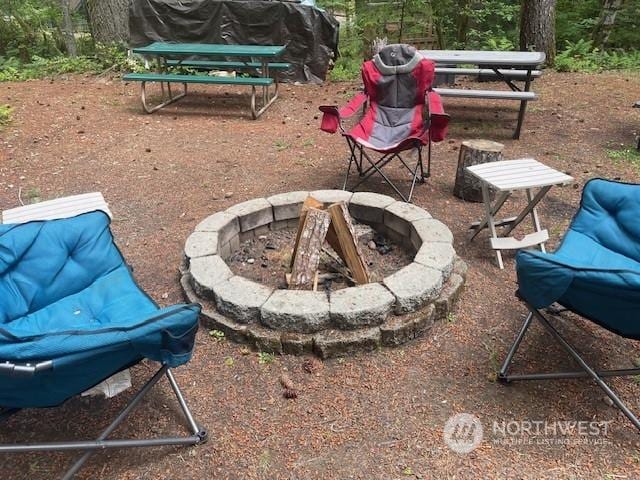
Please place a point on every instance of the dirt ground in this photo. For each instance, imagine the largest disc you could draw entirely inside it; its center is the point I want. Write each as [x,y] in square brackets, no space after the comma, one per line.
[374,416]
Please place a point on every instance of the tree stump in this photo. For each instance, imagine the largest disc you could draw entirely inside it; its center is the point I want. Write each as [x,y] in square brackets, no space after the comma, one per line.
[474,152]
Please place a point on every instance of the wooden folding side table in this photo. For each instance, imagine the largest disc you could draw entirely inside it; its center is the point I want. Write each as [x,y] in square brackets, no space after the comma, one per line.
[506,177]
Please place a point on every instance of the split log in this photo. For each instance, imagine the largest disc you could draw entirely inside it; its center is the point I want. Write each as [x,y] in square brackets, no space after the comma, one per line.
[306,255]
[342,228]
[474,152]
[338,265]
[316,279]
[309,202]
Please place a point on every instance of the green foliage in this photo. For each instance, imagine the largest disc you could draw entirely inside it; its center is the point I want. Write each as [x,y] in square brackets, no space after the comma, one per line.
[347,66]
[32,46]
[630,155]
[107,57]
[32,195]
[265,358]
[492,25]
[576,20]
[30,27]
[5,115]
[218,335]
[626,33]
[581,56]
[116,58]
[13,70]
[281,145]
[501,43]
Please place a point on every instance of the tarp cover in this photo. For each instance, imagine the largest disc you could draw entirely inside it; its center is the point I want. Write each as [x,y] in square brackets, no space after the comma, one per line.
[310,34]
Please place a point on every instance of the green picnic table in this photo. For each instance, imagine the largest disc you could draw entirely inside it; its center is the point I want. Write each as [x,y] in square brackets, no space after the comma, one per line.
[208,58]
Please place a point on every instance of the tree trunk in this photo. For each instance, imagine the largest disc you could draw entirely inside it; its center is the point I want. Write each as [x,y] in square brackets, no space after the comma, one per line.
[462,22]
[538,27]
[601,32]
[67,29]
[109,20]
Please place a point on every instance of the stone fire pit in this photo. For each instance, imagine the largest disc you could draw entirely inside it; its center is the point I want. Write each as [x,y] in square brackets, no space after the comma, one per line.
[401,307]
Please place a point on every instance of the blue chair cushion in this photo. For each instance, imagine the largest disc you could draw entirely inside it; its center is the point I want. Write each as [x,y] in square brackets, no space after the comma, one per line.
[42,262]
[66,295]
[596,270]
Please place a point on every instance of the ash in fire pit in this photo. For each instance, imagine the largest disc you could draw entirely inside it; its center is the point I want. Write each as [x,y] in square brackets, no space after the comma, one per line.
[236,261]
[266,259]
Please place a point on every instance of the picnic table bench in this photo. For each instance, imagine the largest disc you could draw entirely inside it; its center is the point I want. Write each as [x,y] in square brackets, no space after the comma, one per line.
[181,54]
[506,66]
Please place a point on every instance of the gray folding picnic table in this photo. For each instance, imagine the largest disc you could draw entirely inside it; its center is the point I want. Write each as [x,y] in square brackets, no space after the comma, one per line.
[506,66]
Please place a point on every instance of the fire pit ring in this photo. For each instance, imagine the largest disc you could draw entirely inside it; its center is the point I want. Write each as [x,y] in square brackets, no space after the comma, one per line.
[403,306]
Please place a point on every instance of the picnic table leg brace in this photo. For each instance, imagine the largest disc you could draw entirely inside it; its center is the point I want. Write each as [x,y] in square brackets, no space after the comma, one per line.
[143,97]
[266,101]
[255,113]
[523,106]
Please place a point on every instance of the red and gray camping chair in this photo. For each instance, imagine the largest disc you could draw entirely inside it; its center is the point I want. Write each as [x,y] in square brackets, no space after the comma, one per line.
[401,114]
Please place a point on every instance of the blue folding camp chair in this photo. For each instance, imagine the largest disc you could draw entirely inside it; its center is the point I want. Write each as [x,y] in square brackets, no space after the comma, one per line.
[595,273]
[71,316]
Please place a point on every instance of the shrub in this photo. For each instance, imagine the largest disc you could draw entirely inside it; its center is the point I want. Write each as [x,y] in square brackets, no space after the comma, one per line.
[5,115]
[106,57]
[581,56]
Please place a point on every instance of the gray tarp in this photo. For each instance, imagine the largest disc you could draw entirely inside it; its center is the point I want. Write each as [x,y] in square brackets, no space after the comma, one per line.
[310,34]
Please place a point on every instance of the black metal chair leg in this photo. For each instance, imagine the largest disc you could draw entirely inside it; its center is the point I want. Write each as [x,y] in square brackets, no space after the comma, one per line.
[587,372]
[358,155]
[429,158]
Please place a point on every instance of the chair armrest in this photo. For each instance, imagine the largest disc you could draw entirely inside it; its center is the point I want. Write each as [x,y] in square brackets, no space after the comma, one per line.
[354,105]
[438,119]
[24,369]
[332,115]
